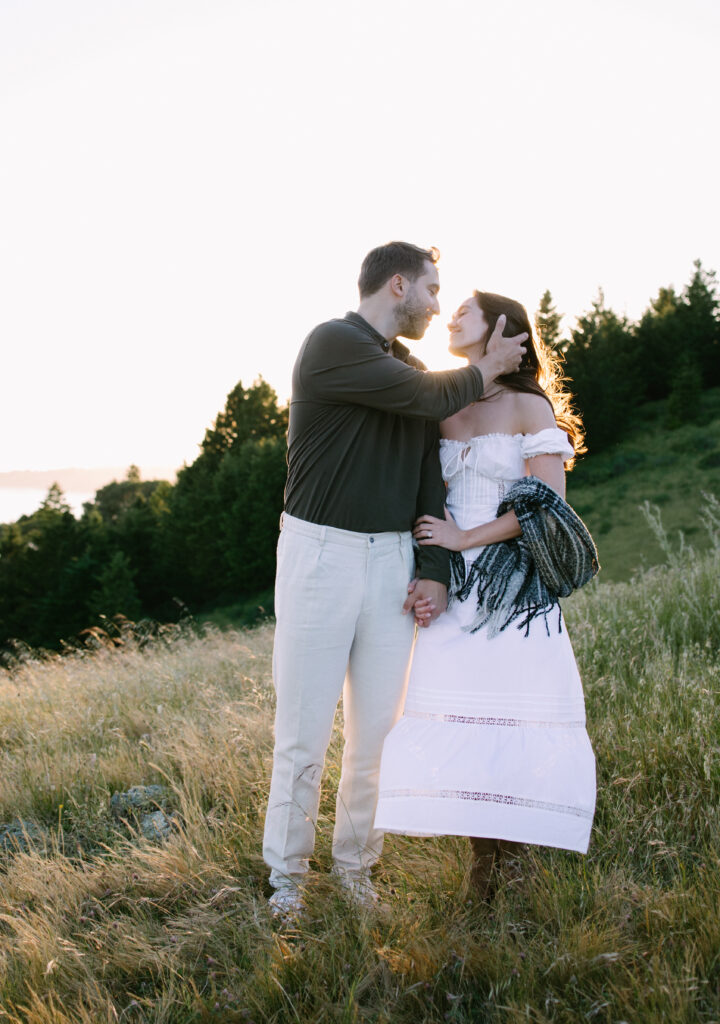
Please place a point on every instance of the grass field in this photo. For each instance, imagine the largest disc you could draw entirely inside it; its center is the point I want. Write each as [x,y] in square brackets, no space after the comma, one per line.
[98,924]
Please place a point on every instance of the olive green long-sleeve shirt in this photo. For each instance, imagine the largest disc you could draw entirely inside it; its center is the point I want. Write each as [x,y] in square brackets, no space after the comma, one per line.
[363,434]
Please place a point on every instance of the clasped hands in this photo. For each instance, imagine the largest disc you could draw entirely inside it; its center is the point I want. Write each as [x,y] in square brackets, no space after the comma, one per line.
[426,600]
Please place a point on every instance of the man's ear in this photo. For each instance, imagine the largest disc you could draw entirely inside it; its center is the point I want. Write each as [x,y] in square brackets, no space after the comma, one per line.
[397,285]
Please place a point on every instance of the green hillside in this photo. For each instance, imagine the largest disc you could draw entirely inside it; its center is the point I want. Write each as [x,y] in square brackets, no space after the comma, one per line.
[668,468]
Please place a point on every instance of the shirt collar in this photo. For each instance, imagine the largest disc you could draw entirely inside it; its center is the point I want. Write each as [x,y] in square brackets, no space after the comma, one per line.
[396,347]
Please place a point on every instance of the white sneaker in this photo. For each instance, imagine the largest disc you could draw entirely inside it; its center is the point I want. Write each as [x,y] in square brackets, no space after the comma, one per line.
[358,886]
[287,902]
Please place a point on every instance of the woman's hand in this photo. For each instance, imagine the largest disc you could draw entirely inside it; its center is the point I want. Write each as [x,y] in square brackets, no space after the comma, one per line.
[443,533]
[426,600]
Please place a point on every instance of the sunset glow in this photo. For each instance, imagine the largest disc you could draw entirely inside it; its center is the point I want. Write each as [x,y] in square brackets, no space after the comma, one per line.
[188,188]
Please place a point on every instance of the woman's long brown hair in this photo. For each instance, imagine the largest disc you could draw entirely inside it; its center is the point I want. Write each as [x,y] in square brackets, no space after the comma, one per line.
[540,372]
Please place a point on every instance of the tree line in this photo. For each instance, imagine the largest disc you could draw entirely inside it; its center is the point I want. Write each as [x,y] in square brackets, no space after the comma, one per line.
[615,365]
[153,550]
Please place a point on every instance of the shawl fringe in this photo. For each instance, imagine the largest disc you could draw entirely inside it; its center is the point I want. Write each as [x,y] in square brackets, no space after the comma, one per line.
[522,579]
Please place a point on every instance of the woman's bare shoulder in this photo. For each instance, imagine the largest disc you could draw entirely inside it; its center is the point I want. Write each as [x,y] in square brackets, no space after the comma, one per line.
[532,413]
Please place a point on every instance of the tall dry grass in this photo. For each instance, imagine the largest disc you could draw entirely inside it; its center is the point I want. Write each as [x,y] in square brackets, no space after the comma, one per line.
[97,924]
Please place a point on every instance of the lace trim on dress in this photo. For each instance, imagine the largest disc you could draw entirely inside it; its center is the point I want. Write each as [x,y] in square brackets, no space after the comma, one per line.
[495,798]
[478,437]
[555,441]
[487,720]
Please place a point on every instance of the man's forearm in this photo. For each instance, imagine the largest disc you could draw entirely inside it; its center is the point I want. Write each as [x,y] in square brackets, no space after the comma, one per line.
[433,563]
[364,375]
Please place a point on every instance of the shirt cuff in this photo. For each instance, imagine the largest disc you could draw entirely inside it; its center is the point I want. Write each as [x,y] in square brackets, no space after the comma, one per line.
[433,563]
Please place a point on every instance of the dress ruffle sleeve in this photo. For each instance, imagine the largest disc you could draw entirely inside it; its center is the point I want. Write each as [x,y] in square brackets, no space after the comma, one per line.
[551,441]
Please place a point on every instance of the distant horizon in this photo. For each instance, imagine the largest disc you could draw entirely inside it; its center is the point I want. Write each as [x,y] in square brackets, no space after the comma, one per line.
[22,492]
[81,478]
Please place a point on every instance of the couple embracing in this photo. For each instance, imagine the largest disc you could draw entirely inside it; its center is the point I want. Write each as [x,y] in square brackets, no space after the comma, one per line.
[404,486]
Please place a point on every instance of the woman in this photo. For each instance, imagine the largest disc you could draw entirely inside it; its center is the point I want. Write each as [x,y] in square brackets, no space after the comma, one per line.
[492,743]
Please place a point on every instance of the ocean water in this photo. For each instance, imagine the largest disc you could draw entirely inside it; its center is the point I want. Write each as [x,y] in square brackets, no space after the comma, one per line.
[23,501]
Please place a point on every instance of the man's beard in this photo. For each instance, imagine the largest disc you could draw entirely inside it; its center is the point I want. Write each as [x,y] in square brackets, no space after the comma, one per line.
[411,317]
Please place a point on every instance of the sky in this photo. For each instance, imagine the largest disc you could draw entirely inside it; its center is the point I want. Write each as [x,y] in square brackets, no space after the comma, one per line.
[187,188]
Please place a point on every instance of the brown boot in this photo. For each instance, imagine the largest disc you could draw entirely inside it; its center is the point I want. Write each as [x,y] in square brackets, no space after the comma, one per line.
[510,863]
[484,854]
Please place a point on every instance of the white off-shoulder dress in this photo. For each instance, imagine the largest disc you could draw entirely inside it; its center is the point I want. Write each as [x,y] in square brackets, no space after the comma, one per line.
[492,741]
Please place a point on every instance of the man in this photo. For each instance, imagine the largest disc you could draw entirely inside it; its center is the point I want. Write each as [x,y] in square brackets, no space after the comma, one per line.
[362,465]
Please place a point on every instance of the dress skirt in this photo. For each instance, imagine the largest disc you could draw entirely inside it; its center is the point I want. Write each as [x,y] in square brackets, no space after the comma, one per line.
[492,741]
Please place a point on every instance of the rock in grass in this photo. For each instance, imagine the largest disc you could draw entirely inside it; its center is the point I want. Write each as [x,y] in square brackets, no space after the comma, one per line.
[139,800]
[20,835]
[156,826]
[147,806]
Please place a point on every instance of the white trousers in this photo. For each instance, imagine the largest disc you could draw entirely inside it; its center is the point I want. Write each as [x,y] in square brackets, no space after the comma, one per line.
[340,629]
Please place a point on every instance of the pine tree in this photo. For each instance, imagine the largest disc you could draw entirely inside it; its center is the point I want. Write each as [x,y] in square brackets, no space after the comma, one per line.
[602,364]
[656,342]
[249,414]
[116,593]
[699,322]
[684,401]
[55,501]
[548,320]
[217,509]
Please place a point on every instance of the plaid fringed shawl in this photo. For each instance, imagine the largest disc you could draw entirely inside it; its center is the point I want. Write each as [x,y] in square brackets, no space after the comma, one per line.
[520,579]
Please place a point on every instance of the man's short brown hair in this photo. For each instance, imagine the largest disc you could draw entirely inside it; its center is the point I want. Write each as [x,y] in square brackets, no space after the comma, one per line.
[394,258]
